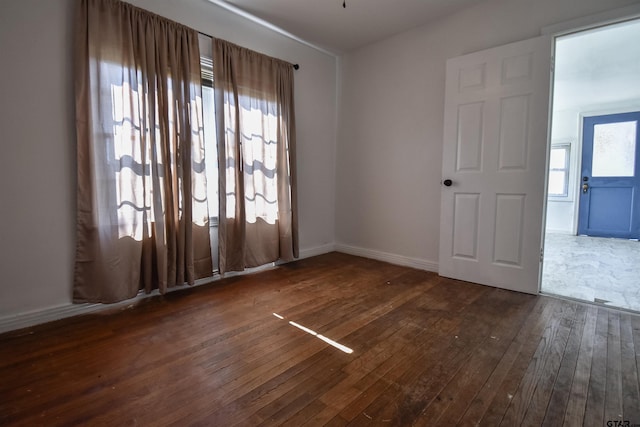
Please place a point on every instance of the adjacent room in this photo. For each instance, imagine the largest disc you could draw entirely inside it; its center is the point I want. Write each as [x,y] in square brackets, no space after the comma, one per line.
[594,256]
[335,212]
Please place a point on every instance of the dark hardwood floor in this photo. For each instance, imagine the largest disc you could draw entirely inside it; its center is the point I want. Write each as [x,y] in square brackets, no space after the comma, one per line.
[425,351]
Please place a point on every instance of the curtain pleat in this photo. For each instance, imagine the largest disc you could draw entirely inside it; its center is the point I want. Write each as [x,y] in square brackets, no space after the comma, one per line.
[256,145]
[142,220]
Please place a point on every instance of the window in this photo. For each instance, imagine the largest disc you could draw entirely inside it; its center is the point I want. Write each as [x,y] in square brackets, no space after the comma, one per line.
[559,170]
[211,149]
[210,142]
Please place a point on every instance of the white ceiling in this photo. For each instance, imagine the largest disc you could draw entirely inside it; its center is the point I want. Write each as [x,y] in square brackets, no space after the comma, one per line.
[598,67]
[326,24]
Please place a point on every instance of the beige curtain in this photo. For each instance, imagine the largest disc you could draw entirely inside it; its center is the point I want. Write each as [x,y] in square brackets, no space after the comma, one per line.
[142,220]
[256,147]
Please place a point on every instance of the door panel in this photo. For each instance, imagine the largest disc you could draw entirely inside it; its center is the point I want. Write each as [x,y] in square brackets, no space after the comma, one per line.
[495,138]
[514,120]
[508,235]
[602,216]
[465,238]
[609,202]
[469,148]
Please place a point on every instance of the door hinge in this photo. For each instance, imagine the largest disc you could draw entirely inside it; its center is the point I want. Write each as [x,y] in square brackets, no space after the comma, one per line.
[541,254]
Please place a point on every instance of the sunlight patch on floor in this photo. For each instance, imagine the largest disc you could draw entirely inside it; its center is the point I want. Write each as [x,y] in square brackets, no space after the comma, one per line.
[329,341]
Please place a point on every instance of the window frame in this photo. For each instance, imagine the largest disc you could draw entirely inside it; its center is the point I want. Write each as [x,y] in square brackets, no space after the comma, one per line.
[566,196]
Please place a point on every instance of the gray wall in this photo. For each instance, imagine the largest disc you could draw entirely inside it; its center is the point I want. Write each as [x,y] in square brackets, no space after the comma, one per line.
[378,190]
[390,134]
[37,164]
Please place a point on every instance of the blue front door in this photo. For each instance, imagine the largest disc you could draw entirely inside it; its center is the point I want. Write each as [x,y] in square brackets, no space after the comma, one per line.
[610,181]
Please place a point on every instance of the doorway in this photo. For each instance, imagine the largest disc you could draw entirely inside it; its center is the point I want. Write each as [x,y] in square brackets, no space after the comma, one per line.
[593,192]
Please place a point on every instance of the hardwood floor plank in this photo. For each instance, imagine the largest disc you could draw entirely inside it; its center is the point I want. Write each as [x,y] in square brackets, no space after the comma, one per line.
[426,384]
[360,335]
[635,326]
[461,392]
[453,399]
[613,392]
[532,326]
[559,390]
[389,373]
[345,392]
[432,371]
[357,338]
[365,386]
[630,375]
[529,402]
[426,350]
[406,365]
[305,414]
[292,402]
[528,347]
[594,410]
[574,414]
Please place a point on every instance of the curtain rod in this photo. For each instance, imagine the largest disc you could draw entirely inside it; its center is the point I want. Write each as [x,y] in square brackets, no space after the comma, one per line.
[295,66]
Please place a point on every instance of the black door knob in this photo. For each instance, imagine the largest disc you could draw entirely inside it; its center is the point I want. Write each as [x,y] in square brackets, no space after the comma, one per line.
[447,182]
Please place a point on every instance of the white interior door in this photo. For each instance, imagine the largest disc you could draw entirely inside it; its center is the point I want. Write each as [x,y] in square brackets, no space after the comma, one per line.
[495,140]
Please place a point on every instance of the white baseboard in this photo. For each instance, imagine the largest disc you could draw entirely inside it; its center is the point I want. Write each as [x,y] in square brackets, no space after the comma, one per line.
[37,317]
[559,231]
[318,250]
[31,318]
[28,319]
[421,264]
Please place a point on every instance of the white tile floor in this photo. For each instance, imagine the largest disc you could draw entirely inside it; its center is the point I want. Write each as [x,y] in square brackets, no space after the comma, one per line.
[593,269]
